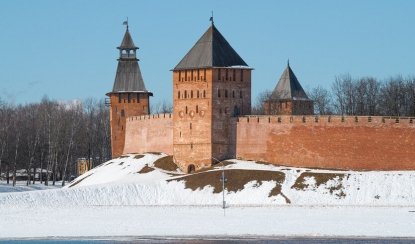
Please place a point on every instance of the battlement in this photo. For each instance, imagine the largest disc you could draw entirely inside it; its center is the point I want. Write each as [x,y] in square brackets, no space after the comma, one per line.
[151,117]
[328,120]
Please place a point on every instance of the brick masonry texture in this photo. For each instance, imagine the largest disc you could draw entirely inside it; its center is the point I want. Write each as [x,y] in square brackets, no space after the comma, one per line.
[355,143]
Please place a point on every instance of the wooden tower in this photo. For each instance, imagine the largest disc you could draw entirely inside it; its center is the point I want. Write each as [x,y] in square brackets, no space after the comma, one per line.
[129,96]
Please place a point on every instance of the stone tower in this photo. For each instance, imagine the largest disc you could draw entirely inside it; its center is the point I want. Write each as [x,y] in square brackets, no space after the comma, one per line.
[288,97]
[129,96]
[211,86]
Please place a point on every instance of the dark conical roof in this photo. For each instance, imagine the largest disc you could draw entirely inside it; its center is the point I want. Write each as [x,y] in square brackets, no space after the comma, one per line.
[128,77]
[211,50]
[288,87]
[127,41]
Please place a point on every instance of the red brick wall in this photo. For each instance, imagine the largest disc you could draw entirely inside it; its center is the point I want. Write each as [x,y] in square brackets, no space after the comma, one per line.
[120,109]
[192,111]
[328,142]
[149,133]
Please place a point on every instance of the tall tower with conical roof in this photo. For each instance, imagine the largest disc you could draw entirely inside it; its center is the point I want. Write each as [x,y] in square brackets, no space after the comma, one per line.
[211,86]
[288,96]
[129,96]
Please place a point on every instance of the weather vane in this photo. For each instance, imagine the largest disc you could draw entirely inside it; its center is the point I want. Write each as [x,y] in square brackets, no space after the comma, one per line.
[126,23]
[211,18]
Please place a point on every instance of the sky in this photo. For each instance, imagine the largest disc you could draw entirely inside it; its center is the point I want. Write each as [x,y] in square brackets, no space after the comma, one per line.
[66,50]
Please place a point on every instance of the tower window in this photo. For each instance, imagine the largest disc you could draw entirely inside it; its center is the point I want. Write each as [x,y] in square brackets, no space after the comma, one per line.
[219,74]
[204,93]
[218,93]
[190,125]
[191,94]
[226,93]
[186,109]
[242,75]
[138,97]
[129,97]
[191,74]
[198,75]
[197,109]
[204,74]
[185,94]
[197,93]
[178,94]
[233,94]
[185,75]
[234,74]
[180,75]
[227,74]
[122,113]
[119,98]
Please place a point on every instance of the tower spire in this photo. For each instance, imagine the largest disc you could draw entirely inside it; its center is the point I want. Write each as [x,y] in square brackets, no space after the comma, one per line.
[211,18]
[126,23]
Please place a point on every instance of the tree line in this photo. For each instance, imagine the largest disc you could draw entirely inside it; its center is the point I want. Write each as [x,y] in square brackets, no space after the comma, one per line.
[52,135]
[359,96]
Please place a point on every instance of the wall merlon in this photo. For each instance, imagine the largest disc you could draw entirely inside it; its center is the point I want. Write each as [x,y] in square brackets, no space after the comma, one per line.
[332,120]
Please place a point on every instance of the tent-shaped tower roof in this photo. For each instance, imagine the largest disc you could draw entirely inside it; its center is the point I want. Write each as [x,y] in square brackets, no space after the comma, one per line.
[288,87]
[128,77]
[211,50]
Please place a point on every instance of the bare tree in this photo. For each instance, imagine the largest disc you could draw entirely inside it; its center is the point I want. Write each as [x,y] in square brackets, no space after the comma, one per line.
[262,97]
[322,100]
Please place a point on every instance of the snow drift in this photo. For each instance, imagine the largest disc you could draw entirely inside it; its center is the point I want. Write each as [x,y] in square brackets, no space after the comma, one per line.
[150,179]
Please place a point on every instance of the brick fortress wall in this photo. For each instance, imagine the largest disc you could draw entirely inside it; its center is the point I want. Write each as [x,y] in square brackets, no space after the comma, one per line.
[359,143]
[149,133]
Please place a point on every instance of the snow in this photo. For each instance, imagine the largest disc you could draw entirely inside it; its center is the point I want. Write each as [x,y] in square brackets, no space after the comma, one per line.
[113,199]
[156,221]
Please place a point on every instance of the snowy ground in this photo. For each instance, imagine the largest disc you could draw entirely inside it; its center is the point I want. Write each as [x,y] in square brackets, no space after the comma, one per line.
[21,186]
[182,221]
[134,196]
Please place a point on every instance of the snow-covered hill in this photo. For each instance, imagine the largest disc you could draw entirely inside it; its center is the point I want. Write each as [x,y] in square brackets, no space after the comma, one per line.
[153,179]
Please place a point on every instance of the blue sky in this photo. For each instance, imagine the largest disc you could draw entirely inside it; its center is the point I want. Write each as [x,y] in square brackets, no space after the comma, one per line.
[67,49]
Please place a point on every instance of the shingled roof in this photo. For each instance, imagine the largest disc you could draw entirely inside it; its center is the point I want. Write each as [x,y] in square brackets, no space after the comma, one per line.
[288,87]
[128,77]
[127,41]
[211,50]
